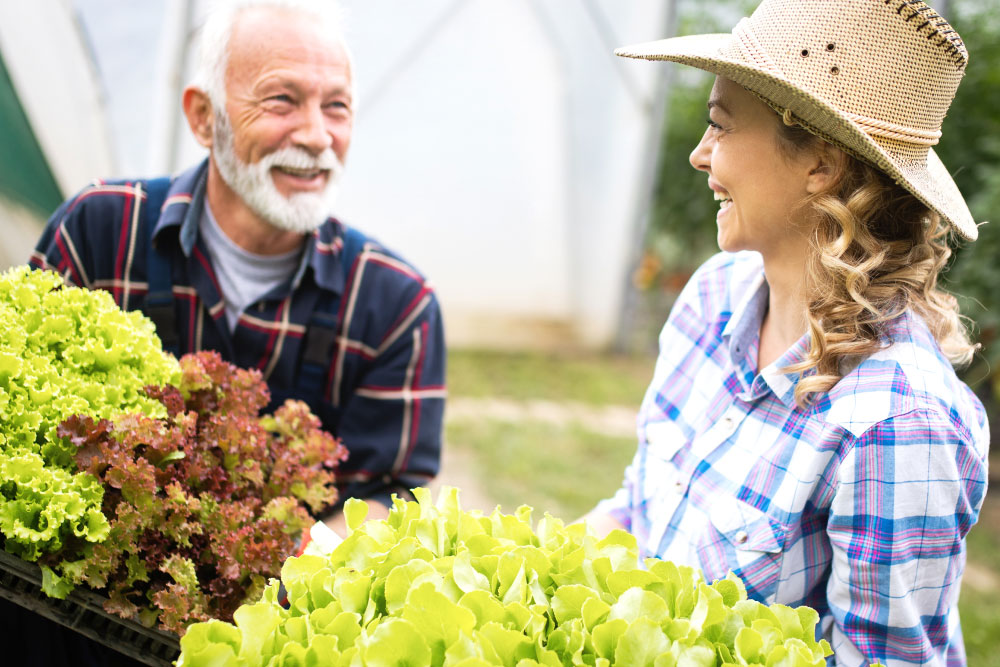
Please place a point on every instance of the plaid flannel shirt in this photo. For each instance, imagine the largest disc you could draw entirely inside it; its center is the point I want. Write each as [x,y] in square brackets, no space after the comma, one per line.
[857,506]
[383,393]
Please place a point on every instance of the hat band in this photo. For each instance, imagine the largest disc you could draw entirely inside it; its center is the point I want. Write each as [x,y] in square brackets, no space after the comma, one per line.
[881,128]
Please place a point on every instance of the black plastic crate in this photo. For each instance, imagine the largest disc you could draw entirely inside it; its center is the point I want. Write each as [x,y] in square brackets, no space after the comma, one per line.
[82,611]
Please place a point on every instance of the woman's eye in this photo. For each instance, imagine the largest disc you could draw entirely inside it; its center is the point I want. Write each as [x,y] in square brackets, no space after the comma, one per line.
[712,124]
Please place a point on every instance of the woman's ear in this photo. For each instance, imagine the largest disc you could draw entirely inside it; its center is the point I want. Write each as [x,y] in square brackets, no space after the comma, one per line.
[827,168]
[200,114]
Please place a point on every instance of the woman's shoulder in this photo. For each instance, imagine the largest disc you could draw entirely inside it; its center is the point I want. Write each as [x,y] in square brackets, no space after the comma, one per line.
[909,376]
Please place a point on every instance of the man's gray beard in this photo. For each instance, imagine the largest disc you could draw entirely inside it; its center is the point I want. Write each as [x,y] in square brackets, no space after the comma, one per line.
[303,211]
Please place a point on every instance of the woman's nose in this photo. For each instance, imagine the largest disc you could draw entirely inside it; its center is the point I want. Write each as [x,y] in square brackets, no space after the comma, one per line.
[700,157]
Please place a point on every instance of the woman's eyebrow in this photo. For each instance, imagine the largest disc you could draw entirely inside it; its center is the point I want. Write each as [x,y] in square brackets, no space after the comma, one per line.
[716,103]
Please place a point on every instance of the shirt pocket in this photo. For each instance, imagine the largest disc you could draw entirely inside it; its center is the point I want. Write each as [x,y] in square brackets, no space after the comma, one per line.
[747,541]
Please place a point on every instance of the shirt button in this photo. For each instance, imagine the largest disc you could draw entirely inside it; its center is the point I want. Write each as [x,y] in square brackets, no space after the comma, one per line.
[741,537]
[679,486]
[728,422]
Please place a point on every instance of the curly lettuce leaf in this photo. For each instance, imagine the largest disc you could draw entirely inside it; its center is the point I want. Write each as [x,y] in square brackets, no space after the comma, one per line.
[434,585]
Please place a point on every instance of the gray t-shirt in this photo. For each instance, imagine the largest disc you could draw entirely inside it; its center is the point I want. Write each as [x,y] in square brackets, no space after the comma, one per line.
[244,277]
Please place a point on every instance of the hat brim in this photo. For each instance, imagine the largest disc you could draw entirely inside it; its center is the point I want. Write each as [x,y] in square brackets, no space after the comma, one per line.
[929,181]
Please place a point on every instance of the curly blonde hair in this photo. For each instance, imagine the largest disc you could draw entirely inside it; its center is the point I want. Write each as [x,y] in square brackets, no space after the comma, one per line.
[878,252]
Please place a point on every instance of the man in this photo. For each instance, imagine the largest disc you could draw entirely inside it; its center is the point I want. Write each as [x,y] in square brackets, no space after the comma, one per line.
[238,255]
[243,257]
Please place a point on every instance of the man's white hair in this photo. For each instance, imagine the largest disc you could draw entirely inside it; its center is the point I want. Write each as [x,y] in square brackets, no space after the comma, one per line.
[213,51]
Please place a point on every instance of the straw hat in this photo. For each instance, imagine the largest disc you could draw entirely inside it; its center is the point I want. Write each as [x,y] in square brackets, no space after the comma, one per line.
[874,77]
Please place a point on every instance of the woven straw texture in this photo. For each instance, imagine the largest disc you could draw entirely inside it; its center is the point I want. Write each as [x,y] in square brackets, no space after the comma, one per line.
[875,77]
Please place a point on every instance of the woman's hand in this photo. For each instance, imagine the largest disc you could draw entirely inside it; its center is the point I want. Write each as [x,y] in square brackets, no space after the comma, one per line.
[601,523]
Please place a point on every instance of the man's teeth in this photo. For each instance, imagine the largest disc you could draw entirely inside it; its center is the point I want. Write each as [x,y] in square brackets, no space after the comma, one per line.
[307,173]
[720,197]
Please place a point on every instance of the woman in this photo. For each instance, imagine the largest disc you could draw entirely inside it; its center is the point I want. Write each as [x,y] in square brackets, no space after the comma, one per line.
[804,427]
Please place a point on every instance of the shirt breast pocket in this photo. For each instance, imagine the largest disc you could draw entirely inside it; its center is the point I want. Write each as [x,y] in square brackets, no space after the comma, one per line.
[747,541]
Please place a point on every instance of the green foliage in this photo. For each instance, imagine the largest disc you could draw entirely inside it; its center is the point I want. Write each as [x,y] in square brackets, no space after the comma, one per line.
[970,147]
[66,351]
[44,508]
[151,480]
[682,232]
[683,217]
[63,351]
[205,503]
[435,585]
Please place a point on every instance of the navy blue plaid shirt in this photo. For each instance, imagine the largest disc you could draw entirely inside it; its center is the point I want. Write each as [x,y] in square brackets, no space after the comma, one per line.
[384,386]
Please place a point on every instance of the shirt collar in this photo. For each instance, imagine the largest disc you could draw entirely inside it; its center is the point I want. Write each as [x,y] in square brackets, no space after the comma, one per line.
[782,383]
[182,211]
[182,207]
[744,323]
[743,329]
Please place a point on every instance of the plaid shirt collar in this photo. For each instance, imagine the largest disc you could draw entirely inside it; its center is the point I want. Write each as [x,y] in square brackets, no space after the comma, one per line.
[741,337]
[182,209]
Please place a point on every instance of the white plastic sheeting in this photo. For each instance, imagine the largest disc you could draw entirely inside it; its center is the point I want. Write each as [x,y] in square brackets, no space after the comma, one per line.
[499,145]
[50,66]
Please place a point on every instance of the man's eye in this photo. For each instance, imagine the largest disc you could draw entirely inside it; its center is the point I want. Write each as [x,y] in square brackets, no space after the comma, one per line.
[712,124]
[283,99]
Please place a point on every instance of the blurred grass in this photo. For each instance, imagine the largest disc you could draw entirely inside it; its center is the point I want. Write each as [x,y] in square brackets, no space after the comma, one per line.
[979,605]
[585,378]
[564,468]
[560,469]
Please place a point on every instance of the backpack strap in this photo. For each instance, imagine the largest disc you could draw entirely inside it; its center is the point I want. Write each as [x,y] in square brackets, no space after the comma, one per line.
[159,302]
[321,332]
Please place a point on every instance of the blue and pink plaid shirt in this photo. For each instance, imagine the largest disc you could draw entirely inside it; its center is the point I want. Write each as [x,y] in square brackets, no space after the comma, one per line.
[383,389]
[857,506]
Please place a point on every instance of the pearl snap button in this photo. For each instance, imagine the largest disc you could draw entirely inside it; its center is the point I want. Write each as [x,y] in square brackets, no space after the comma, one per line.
[741,537]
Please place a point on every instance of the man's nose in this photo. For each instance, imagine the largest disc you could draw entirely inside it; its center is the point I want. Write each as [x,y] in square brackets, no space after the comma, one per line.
[312,133]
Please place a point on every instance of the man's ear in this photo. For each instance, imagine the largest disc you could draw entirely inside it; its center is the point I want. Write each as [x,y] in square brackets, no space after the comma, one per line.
[827,168]
[200,114]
